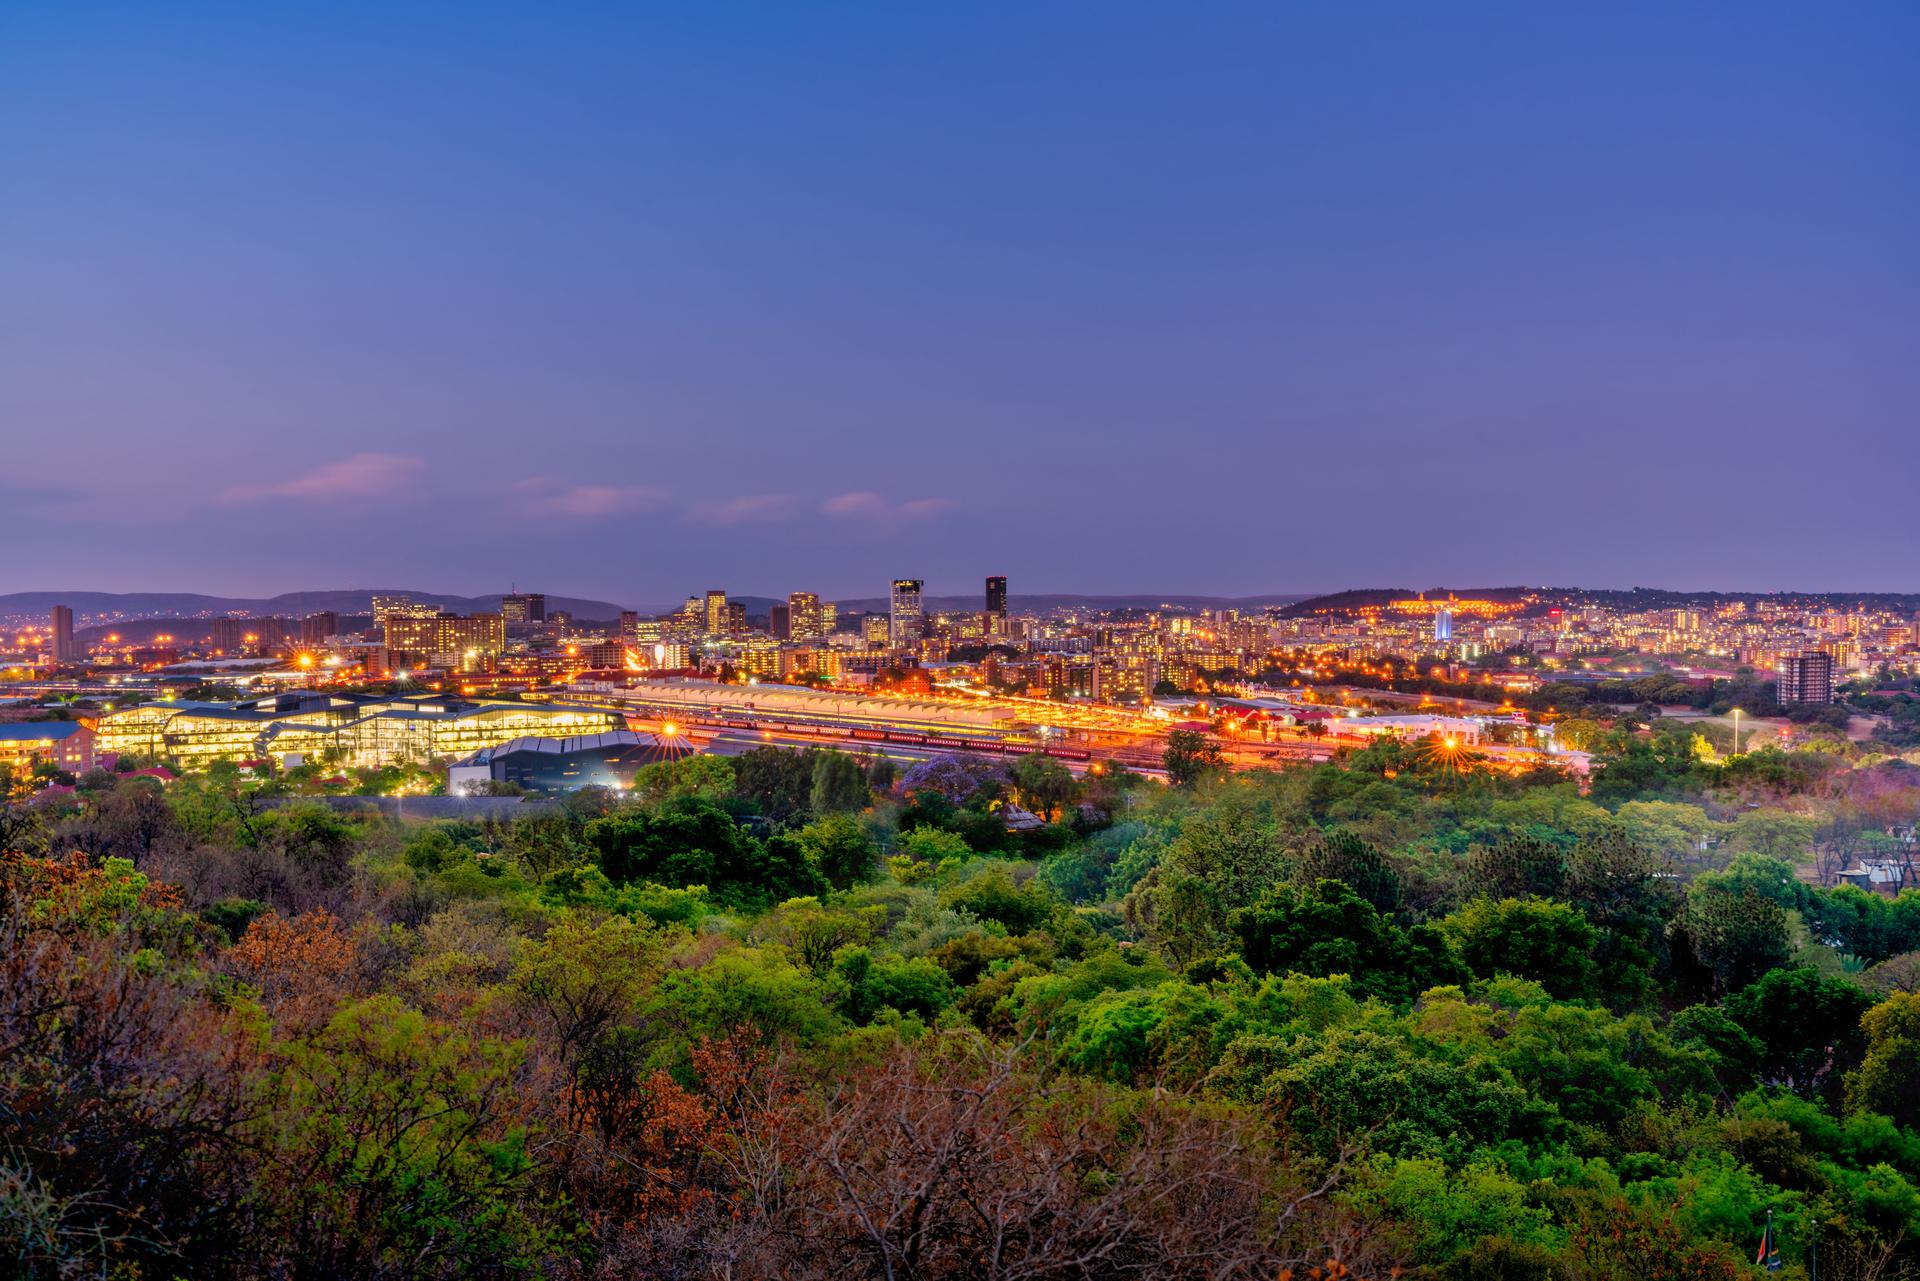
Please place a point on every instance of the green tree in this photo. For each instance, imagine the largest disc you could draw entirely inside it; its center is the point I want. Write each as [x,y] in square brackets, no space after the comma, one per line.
[1328,929]
[1043,784]
[1550,943]
[1218,863]
[775,781]
[1340,855]
[709,778]
[1734,936]
[839,786]
[393,1149]
[1888,1078]
[841,849]
[1519,866]
[1190,757]
[1807,1025]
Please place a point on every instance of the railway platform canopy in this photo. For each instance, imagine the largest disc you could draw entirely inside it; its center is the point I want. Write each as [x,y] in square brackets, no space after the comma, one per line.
[794,700]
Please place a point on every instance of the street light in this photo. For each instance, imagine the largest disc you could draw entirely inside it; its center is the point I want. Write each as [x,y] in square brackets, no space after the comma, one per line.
[1736,731]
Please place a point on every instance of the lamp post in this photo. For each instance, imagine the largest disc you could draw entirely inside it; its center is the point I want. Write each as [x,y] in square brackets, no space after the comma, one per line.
[1736,731]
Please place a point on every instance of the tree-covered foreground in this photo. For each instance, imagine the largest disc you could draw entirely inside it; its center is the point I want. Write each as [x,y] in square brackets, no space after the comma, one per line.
[790,1017]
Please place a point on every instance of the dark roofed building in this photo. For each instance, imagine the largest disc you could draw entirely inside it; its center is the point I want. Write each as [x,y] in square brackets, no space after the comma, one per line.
[564,764]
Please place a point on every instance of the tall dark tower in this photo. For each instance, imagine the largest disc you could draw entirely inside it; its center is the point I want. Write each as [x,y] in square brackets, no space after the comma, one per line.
[997,605]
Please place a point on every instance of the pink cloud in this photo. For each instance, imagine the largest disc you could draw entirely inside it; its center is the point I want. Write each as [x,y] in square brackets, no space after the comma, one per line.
[865,503]
[556,498]
[745,510]
[361,476]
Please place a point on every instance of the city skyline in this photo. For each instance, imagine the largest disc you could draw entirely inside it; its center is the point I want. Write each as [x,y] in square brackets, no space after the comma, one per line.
[1266,300]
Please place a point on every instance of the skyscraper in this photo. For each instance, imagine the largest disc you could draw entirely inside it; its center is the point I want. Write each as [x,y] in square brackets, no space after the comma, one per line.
[1443,624]
[1805,678]
[904,619]
[65,648]
[518,608]
[996,620]
[716,612]
[805,620]
[780,621]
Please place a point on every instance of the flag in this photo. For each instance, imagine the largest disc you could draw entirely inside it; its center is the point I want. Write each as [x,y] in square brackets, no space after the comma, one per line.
[1769,1255]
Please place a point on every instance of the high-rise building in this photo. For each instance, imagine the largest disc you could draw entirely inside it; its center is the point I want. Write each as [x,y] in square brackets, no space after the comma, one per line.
[805,619]
[65,648]
[637,631]
[780,621]
[1805,678]
[523,608]
[1443,624]
[385,607]
[448,640]
[736,618]
[904,619]
[714,617]
[996,619]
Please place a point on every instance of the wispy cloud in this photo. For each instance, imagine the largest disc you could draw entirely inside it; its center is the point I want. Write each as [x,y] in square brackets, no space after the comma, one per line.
[28,495]
[747,509]
[550,497]
[360,476]
[864,503]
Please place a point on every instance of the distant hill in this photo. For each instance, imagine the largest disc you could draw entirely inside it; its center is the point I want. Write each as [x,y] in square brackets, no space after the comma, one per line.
[1629,600]
[1043,603]
[120,607]
[1362,597]
[359,600]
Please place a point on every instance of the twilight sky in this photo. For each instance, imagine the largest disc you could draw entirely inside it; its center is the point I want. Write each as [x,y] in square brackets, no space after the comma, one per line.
[630,300]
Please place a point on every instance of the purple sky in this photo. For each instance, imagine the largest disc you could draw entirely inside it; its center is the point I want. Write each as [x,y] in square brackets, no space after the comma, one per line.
[634,300]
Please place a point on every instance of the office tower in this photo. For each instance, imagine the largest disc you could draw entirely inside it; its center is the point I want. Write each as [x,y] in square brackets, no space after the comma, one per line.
[65,648]
[736,618]
[996,619]
[385,607]
[780,621]
[1805,678]
[448,640]
[519,608]
[714,613]
[805,618]
[904,619]
[1443,624]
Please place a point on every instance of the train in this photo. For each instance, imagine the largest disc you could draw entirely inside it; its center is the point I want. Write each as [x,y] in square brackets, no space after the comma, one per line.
[909,738]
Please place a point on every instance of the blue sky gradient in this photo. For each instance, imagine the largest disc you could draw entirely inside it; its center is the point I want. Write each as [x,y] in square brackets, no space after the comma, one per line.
[633,300]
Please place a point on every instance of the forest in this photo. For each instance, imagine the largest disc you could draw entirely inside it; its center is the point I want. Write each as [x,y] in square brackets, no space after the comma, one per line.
[798,1015]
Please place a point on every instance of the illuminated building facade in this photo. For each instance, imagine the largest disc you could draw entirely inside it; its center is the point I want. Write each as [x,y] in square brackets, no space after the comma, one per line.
[446,640]
[360,732]
[905,619]
[68,745]
[385,607]
[521,609]
[638,631]
[996,615]
[806,619]
[1805,678]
